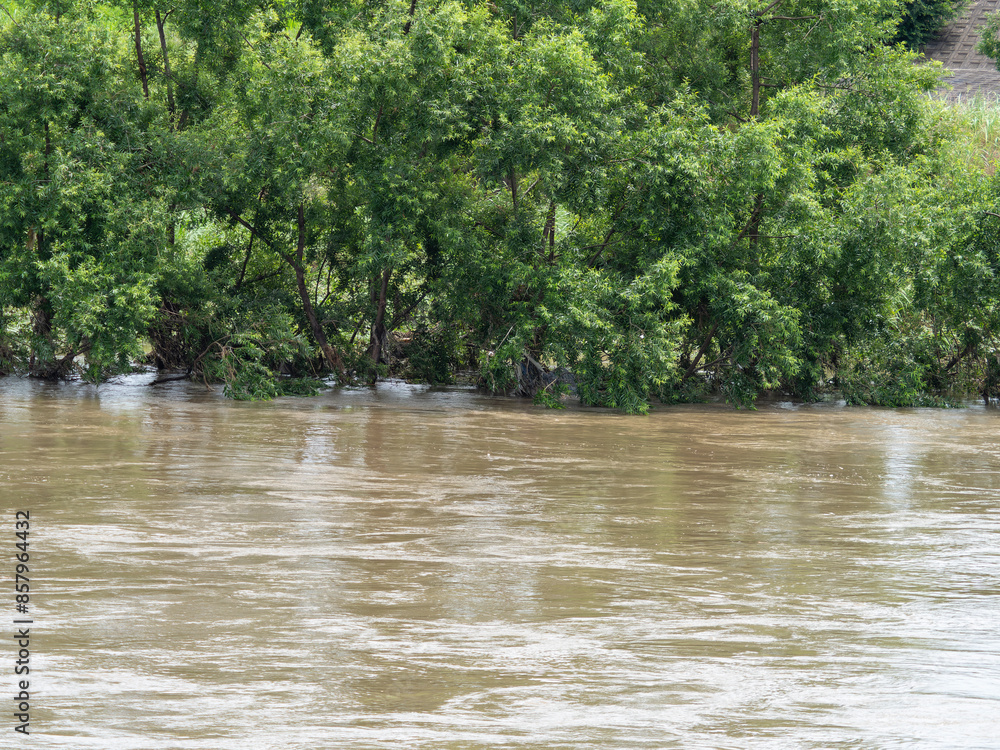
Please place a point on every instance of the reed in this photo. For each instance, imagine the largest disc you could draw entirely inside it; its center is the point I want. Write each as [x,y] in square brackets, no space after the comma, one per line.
[974,123]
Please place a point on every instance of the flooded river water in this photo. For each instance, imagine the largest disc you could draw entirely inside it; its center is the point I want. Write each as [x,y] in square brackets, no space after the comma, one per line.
[418,568]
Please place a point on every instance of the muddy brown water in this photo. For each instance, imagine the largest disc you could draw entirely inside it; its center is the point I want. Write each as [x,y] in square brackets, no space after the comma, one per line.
[432,568]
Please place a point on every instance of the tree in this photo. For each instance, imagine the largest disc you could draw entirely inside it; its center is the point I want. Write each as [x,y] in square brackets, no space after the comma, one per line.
[638,203]
[79,216]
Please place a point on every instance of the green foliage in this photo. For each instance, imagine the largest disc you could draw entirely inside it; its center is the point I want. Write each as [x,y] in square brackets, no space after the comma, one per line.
[989,38]
[248,358]
[891,371]
[78,225]
[432,355]
[627,203]
[922,20]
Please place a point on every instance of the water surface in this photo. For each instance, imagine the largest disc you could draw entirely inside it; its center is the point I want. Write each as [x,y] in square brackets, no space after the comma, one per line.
[431,568]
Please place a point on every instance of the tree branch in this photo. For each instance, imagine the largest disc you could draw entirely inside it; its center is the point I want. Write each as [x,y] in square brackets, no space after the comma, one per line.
[243,268]
[752,222]
[413,9]
[958,357]
[693,368]
[253,230]
[602,247]
[770,7]
[401,317]
[13,20]
[378,119]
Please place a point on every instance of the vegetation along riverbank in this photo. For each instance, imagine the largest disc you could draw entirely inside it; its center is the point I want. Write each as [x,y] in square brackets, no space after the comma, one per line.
[636,201]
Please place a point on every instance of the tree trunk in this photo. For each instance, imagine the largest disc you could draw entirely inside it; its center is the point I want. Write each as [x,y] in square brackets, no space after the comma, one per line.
[753,231]
[243,268]
[755,67]
[409,20]
[138,49]
[549,232]
[378,337]
[41,328]
[297,262]
[166,67]
[329,353]
[693,367]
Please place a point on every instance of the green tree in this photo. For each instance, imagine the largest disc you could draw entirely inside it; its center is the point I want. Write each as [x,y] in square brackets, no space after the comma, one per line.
[80,219]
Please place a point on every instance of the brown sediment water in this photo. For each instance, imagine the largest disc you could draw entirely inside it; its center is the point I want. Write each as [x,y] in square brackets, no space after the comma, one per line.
[409,567]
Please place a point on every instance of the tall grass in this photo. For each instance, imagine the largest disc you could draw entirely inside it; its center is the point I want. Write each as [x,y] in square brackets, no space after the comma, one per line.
[976,122]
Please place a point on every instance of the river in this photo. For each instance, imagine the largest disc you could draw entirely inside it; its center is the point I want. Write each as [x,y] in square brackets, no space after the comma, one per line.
[410,567]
